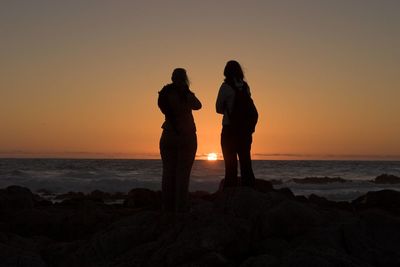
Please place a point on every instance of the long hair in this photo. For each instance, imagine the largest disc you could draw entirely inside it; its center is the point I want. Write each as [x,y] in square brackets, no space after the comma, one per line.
[233,70]
[179,76]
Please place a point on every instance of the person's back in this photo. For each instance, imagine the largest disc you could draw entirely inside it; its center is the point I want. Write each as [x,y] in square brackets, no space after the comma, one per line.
[239,119]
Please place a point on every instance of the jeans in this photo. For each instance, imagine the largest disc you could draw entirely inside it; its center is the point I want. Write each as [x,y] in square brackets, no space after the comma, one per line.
[236,145]
[177,154]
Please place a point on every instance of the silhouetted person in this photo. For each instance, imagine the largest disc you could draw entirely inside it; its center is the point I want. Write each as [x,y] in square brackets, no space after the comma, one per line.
[178,143]
[238,124]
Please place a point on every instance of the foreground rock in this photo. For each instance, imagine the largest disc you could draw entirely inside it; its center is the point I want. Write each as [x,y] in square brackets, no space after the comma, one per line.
[235,227]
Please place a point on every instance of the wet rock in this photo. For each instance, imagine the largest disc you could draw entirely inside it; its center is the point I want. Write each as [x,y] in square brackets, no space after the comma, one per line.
[70,195]
[45,192]
[319,180]
[387,179]
[99,195]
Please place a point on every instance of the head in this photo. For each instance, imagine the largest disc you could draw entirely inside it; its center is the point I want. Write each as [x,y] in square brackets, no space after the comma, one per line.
[233,70]
[179,76]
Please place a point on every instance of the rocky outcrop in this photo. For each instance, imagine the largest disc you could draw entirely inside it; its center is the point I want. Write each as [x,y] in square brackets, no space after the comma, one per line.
[142,198]
[387,179]
[240,226]
[388,200]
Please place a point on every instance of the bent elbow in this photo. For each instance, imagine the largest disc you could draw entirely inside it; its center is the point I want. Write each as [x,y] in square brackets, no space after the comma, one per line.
[219,109]
[197,106]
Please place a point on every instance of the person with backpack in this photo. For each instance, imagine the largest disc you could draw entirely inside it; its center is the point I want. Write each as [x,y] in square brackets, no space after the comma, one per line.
[238,124]
[178,142]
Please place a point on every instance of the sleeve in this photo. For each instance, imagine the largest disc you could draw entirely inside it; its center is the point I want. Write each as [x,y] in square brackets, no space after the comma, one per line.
[225,99]
[194,102]
[220,104]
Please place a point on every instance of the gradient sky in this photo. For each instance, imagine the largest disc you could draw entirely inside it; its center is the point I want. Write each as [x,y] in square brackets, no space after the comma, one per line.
[80,78]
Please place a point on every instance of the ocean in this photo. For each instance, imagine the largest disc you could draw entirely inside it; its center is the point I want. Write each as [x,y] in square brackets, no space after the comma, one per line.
[120,175]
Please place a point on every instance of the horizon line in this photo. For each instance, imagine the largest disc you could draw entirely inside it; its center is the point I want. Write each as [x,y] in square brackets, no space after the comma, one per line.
[200,156]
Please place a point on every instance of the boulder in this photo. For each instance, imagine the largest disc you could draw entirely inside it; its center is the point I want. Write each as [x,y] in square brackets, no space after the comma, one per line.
[143,197]
[372,243]
[286,191]
[15,198]
[263,186]
[289,219]
[243,202]
[384,199]
[325,203]
[197,237]
[18,251]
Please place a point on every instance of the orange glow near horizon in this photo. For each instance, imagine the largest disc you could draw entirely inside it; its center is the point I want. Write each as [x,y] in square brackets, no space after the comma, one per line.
[212,156]
[81,79]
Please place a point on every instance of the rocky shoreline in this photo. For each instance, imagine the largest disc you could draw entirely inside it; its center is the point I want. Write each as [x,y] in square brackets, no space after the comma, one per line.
[237,227]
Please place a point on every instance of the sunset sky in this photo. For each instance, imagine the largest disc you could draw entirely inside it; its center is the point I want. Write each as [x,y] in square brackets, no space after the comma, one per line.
[80,78]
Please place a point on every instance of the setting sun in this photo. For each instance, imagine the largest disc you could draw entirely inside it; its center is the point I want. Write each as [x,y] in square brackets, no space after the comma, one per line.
[212,156]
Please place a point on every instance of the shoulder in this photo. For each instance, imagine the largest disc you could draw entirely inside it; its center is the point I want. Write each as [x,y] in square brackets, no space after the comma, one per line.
[226,88]
[166,88]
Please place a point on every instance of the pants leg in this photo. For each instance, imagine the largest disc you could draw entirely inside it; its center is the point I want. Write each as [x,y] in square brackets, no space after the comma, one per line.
[169,156]
[186,155]
[229,151]
[246,170]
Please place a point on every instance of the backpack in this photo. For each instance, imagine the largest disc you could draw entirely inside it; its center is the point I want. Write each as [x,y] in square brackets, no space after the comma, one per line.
[244,115]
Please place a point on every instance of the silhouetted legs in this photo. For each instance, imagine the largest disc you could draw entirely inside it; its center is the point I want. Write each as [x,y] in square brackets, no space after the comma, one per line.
[246,170]
[233,145]
[229,151]
[177,153]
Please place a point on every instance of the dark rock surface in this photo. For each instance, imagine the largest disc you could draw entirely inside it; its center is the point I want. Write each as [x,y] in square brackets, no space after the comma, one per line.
[387,179]
[239,226]
[319,180]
